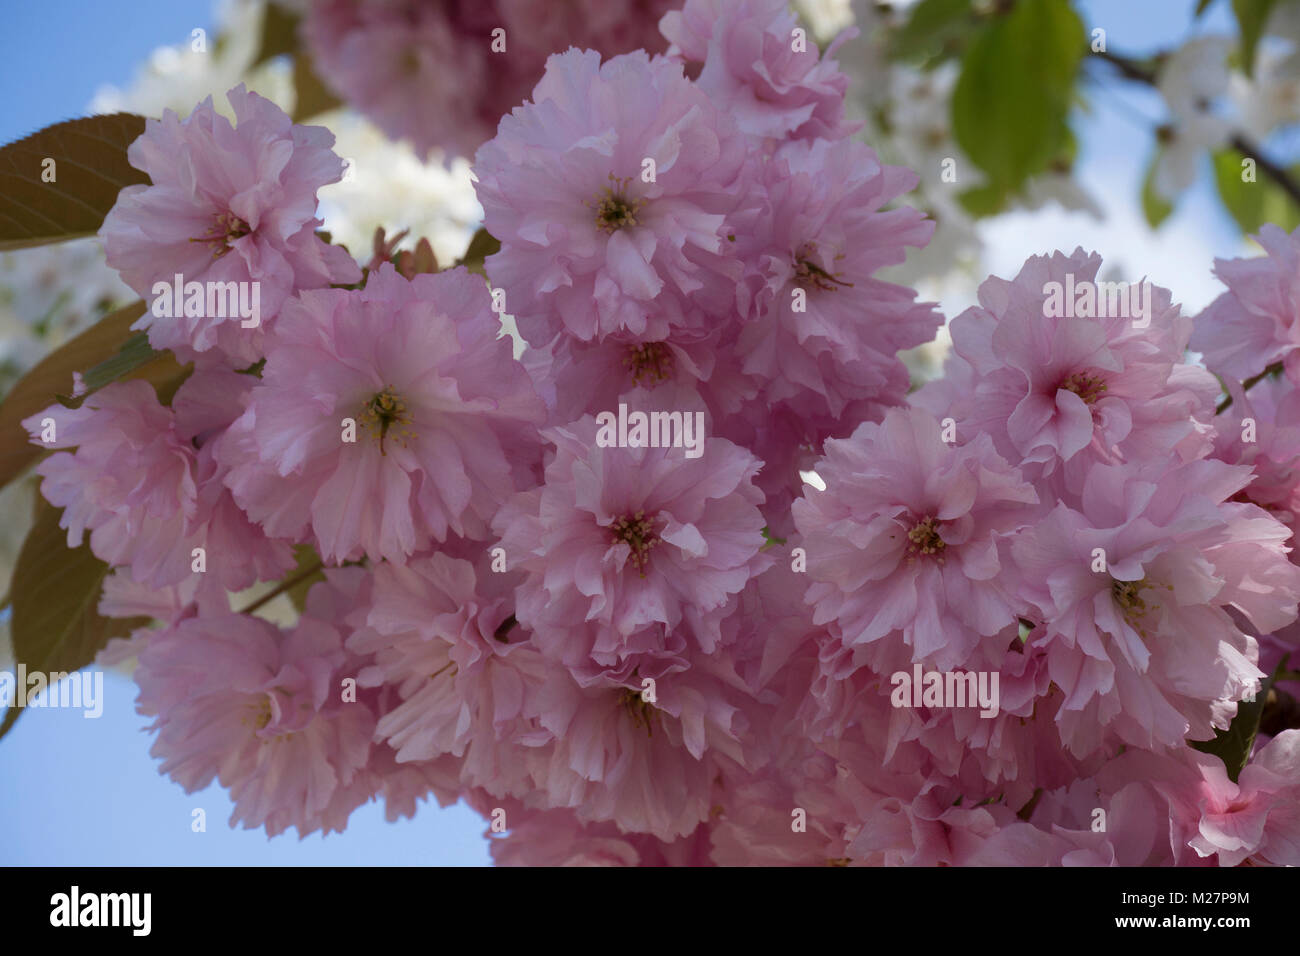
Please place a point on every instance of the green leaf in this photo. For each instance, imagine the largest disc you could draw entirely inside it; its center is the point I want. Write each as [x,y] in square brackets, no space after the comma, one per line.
[1154,206]
[933,29]
[89,170]
[1012,100]
[1202,6]
[279,34]
[135,359]
[482,245]
[1252,17]
[94,349]
[312,96]
[306,557]
[1252,204]
[56,625]
[983,201]
[1233,746]
[134,352]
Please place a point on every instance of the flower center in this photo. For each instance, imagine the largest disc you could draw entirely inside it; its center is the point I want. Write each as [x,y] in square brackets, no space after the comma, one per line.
[261,713]
[614,210]
[1127,595]
[641,711]
[225,229]
[652,361]
[383,411]
[807,272]
[637,532]
[925,538]
[409,64]
[1087,387]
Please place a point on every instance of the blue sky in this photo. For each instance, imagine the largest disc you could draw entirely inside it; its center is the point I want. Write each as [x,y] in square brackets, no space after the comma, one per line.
[86,792]
[55,54]
[80,792]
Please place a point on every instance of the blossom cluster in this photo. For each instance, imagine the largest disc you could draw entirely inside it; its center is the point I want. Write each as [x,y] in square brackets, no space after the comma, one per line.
[687,646]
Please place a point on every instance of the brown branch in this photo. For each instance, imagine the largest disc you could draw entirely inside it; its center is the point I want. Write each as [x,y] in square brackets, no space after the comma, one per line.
[1129,67]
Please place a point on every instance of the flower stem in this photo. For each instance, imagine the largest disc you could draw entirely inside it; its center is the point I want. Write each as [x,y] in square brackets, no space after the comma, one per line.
[283,586]
[1248,384]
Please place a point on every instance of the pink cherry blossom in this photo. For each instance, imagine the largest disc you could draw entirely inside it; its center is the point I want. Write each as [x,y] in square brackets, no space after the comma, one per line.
[1259,815]
[633,554]
[755,65]
[909,543]
[236,701]
[443,418]
[1262,429]
[143,482]
[227,204]
[1135,591]
[821,323]
[610,193]
[648,767]
[441,75]
[1061,392]
[559,838]
[1254,323]
[457,665]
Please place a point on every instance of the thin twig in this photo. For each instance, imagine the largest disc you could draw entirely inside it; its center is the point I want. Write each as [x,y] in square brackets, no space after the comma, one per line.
[283,586]
[1248,384]
[1130,68]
